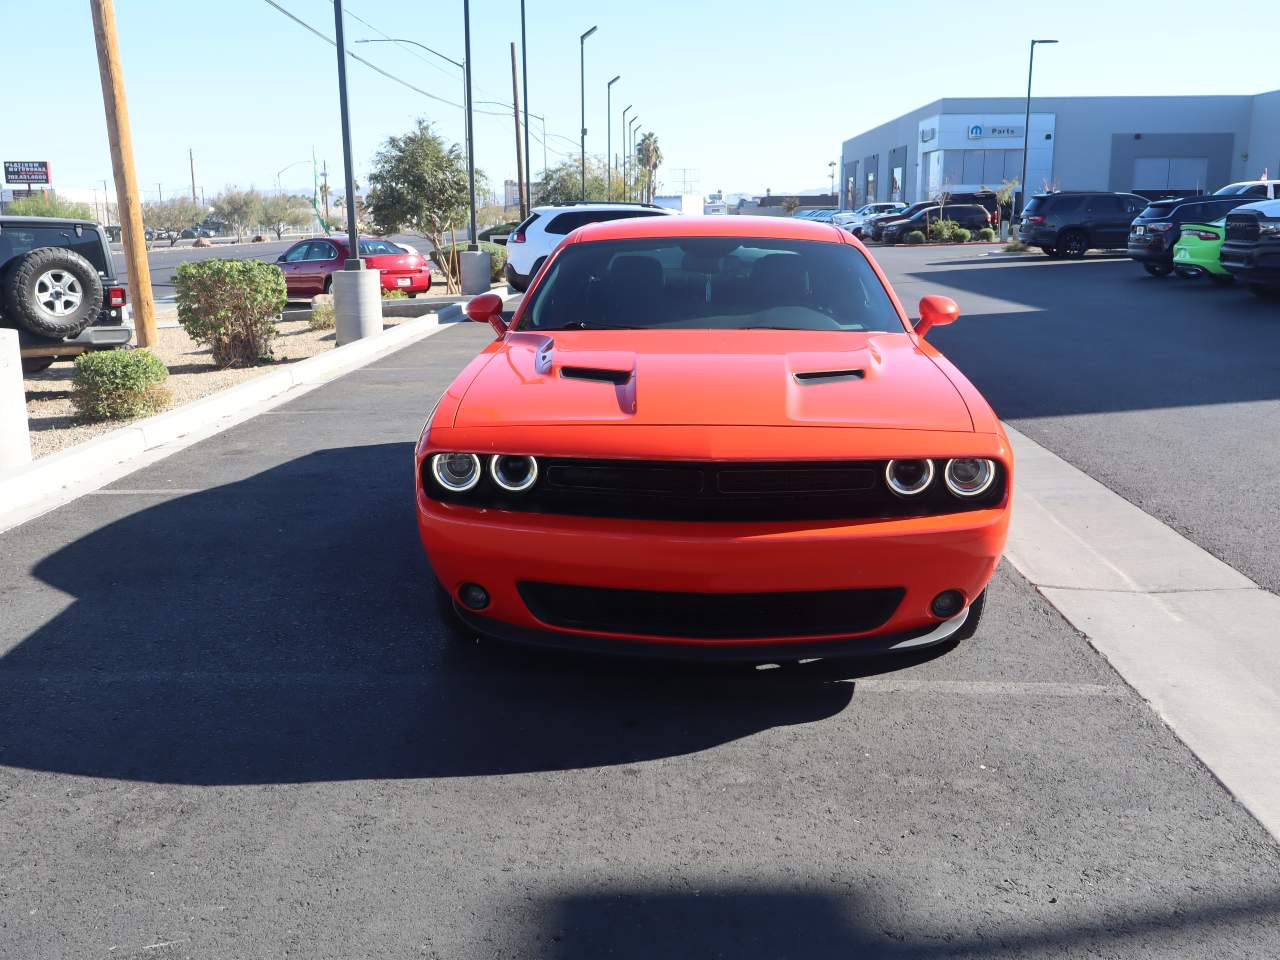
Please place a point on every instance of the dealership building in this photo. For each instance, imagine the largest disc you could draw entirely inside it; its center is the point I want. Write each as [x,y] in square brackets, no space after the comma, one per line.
[1145,144]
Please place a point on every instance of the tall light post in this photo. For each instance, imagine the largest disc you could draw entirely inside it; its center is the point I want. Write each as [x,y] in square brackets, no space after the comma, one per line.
[631,141]
[471,147]
[1026,127]
[608,137]
[296,163]
[582,95]
[353,236]
[524,82]
[831,166]
[624,150]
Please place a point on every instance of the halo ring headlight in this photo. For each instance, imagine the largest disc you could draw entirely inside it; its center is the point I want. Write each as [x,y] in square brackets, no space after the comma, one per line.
[908,478]
[514,474]
[456,472]
[969,476]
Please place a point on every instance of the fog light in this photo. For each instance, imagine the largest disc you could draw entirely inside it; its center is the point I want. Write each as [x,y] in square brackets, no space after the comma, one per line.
[473,596]
[907,478]
[969,476]
[947,604]
[513,474]
[458,472]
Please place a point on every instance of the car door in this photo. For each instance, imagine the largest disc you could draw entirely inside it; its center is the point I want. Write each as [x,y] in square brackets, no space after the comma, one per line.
[317,265]
[1108,225]
[288,263]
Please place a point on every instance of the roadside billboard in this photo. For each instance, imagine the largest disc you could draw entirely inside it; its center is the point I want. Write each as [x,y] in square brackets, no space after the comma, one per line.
[26,171]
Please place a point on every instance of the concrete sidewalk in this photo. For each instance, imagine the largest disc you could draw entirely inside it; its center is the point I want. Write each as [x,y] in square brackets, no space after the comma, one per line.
[230,725]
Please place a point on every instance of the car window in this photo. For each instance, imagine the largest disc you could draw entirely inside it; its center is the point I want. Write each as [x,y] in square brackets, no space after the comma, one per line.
[1105,205]
[378,248]
[1235,190]
[297,253]
[1134,206]
[568,222]
[1257,190]
[1064,204]
[321,250]
[18,241]
[728,283]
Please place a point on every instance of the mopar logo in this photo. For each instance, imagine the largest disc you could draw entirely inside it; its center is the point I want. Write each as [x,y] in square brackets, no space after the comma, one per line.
[975,132]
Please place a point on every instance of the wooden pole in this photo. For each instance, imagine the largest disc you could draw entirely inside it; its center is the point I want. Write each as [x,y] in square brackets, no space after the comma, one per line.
[515,104]
[121,141]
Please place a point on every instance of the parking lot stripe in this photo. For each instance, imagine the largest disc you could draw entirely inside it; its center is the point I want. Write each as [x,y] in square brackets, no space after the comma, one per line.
[1196,638]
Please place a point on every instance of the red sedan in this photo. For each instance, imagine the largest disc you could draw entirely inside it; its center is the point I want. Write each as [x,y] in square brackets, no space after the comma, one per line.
[714,437]
[309,265]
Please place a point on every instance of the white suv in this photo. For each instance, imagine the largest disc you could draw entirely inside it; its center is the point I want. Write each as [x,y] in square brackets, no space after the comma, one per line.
[541,232]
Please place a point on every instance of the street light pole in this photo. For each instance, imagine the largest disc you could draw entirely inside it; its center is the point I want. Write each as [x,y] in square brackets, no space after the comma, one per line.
[831,166]
[1026,127]
[608,149]
[582,96]
[624,149]
[631,140]
[524,82]
[471,151]
[353,236]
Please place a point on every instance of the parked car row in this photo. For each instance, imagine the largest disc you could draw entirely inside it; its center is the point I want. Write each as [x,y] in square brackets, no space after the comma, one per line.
[1244,245]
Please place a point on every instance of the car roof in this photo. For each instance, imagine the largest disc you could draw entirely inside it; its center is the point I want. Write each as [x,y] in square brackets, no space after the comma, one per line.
[602,205]
[774,228]
[46,221]
[1265,207]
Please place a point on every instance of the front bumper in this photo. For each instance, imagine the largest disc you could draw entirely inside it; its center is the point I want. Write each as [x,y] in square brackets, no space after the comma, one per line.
[1257,262]
[921,556]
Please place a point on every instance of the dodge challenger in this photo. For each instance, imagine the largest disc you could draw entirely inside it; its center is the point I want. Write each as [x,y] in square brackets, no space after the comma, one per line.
[713,437]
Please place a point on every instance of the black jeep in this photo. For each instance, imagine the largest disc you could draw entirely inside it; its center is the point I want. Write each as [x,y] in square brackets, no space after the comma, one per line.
[58,288]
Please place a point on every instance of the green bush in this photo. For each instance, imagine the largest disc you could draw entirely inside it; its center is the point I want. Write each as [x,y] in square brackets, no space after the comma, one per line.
[960,235]
[321,316]
[394,295]
[500,230]
[232,306]
[497,252]
[119,384]
[986,235]
[915,236]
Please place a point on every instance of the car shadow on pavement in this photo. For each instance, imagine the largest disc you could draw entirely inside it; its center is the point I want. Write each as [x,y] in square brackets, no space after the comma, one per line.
[281,629]
[759,921]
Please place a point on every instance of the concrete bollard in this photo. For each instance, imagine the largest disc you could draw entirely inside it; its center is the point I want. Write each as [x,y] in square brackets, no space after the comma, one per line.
[15,439]
[357,305]
[474,266]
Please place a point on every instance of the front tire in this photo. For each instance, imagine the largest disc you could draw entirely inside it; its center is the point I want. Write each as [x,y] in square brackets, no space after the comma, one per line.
[1073,244]
[1050,252]
[1157,269]
[36,364]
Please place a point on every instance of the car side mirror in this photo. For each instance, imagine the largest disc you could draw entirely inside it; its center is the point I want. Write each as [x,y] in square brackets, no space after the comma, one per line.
[936,311]
[487,308]
[280,259]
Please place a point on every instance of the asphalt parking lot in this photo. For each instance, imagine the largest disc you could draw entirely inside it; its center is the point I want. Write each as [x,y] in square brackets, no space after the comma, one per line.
[230,724]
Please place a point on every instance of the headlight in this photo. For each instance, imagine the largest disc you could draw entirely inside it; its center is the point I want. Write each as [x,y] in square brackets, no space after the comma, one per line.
[1268,227]
[907,478]
[457,472]
[969,476]
[513,474]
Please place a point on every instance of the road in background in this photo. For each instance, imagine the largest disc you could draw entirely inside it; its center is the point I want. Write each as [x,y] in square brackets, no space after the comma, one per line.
[232,725]
[1166,390]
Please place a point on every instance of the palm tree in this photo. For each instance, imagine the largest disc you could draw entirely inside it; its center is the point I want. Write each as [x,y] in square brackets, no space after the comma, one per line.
[649,157]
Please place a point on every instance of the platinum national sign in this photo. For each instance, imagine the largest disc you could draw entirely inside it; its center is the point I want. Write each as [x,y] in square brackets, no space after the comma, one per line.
[26,171]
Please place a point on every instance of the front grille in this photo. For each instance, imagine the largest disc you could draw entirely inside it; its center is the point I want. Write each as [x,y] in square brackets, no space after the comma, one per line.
[716,491]
[1242,227]
[711,616]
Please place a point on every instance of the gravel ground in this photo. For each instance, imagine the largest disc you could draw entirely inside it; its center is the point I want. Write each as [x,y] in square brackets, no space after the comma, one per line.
[55,425]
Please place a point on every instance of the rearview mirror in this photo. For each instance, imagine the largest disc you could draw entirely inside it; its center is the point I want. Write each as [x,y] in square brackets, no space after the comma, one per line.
[487,308]
[936,311]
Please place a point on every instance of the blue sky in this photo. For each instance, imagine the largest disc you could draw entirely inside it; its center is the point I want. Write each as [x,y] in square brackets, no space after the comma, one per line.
[746,95]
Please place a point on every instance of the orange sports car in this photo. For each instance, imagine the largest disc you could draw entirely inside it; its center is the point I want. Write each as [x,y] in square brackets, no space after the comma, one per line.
[717,437]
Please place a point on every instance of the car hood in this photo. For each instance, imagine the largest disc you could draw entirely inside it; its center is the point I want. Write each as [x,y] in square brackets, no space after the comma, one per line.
[712,377]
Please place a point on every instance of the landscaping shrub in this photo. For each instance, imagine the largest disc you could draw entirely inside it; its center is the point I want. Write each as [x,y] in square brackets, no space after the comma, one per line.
[497,252]
[394,295]
[119,384]
[960,235]
[232,306]
[943,231]
[321,316]
[915,236]
[986,234]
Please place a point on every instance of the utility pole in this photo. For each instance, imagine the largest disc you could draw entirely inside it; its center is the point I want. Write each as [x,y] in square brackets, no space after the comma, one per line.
[324,193]
[528,157]
[121,143]
[471,146]
[192,157]
[515,104]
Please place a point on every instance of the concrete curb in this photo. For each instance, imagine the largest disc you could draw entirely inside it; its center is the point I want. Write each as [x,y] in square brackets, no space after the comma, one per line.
[28,491]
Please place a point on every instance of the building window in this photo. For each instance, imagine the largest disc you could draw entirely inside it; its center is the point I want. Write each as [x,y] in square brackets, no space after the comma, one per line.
[895,183]
[871,186]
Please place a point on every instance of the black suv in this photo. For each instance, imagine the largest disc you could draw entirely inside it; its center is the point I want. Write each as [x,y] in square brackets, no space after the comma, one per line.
[968,215]
[872,226]
[1251,250]
[1070,223]
[59,289]
[1155,231]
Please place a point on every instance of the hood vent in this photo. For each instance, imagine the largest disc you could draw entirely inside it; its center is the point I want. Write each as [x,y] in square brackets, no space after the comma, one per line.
[618,378]
[828,376]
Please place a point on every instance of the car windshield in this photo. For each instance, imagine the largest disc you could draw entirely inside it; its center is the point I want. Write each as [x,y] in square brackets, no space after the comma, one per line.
[1240,189]
[16,240]
[731,283]
[375,248]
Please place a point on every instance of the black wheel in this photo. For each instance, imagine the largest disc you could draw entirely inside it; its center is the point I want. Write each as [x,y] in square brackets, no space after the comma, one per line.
[36,364]
[975,617]
[1049,252]
[1157,269]
[1264,293]
[53,292]
[1223,279]
[1073,244]
[328,284]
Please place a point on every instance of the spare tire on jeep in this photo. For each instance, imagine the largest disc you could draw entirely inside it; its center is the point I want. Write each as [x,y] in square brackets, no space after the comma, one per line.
[53,292]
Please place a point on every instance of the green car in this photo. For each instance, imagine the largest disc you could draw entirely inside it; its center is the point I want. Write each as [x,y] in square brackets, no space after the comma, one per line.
[1196,252]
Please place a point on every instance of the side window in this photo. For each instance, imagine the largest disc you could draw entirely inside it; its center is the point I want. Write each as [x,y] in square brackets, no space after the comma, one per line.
[1104,205]
[297,253]
[1257,190]
[321,250]
[1063,205]
[1135,206]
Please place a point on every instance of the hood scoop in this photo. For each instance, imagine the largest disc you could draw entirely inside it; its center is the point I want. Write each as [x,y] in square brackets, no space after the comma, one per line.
[828,376]
[618,378]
